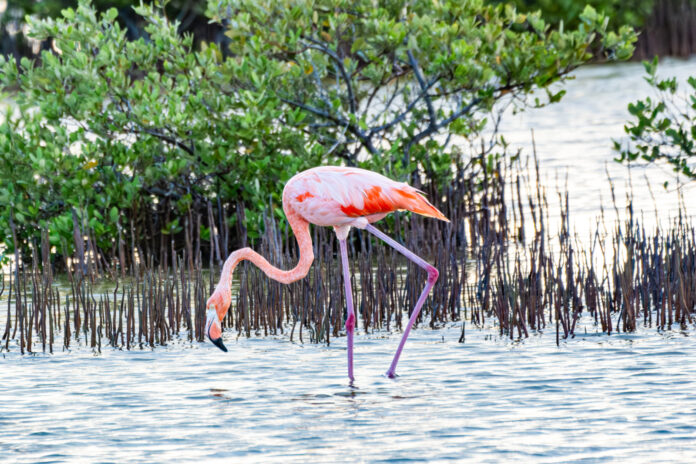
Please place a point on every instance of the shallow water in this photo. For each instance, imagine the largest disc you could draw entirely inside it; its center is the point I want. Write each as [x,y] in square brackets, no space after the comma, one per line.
[574,141]
[596,398]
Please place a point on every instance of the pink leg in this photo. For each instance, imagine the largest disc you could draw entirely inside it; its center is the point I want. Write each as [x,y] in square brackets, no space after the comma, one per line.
[432,277]
[350,320]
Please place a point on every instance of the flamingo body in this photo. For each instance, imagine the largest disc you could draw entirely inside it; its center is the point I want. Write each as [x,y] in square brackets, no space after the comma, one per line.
[341,198]
[344,197]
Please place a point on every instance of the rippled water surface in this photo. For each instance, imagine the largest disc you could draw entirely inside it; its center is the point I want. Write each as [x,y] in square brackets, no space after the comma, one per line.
[596,398]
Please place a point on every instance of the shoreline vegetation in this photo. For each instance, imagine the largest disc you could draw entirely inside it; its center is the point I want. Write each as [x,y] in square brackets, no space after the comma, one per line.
[499,262]
[143,141]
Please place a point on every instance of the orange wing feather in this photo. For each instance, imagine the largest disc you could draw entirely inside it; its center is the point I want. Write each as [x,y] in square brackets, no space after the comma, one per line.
[376,202]
[417,203]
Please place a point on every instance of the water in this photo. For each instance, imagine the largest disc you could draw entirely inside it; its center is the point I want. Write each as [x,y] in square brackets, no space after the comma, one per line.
[596,398]
[574,145]
[593,399]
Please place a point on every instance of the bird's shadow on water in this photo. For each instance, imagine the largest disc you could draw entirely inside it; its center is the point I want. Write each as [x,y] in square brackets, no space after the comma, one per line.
[373,389]
[352,398]
[223,394]
[377,389]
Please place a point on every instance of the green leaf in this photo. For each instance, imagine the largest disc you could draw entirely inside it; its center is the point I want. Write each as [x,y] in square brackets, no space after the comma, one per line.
[68,13]
[111,14]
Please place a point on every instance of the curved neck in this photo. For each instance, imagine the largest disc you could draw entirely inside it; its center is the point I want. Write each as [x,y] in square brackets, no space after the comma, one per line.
[300,228]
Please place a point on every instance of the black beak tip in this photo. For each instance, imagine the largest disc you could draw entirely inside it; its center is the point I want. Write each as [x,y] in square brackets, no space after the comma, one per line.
[219,344]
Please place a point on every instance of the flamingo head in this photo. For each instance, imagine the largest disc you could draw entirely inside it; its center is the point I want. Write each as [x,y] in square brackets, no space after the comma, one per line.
[217,303]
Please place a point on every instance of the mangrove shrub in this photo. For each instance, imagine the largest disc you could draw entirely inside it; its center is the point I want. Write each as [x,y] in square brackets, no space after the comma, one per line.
[127,140]
[394,85]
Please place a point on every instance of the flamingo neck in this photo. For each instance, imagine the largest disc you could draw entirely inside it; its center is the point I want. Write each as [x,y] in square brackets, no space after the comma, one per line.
[300,228]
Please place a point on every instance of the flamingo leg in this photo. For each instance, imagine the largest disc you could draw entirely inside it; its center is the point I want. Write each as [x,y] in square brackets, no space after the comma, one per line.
[350,320]
[432,277]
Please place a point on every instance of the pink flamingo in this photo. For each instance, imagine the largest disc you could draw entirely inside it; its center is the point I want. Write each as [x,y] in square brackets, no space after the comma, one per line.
[342,198]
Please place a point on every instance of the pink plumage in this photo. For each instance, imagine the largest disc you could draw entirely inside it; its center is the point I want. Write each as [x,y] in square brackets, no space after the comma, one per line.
[338,196]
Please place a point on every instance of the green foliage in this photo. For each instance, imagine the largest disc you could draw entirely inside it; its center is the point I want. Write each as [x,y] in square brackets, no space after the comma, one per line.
[664,128]
[121,131]
[379,83]
[569,12]
[53,8]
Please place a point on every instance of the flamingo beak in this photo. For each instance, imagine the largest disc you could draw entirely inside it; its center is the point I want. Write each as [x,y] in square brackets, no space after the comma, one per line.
[213,329]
